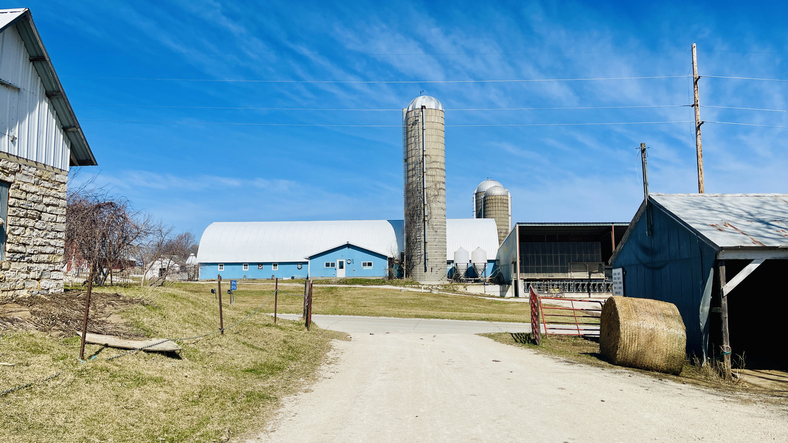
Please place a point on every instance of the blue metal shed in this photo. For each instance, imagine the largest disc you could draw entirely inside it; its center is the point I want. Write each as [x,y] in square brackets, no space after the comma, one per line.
[677,248]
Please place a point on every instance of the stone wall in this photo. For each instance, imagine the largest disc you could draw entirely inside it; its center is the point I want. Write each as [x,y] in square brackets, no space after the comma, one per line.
[35,228]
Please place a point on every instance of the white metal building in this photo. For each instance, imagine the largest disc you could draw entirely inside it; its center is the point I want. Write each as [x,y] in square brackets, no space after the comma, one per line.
[40,139]
[343,248]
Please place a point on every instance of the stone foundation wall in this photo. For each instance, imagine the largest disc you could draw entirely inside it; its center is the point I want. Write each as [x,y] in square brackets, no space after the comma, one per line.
[35,229]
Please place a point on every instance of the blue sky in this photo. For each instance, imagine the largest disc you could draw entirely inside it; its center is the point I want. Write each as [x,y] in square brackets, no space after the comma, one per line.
[177,102]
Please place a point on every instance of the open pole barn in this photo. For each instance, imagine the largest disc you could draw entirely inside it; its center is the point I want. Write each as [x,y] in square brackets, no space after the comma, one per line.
[721,259]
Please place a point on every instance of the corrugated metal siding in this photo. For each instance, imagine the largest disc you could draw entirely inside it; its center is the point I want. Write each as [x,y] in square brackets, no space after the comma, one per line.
[26,113]
[673,264]
[507,256]
[471,233]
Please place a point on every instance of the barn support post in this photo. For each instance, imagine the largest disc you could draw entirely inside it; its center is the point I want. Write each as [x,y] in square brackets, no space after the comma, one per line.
[726,342]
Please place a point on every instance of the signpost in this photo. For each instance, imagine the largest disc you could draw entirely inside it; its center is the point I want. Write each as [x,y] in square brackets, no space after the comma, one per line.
[618,282]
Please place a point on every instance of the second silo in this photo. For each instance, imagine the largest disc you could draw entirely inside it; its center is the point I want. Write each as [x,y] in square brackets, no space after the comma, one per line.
[425,189]
[497,205]
[478,196]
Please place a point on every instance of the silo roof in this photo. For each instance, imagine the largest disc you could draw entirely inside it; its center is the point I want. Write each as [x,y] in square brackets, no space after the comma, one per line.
[496,190]
[487,184]
[426,101]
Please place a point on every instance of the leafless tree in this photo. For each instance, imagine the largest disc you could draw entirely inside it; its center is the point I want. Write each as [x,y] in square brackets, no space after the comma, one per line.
[102,229]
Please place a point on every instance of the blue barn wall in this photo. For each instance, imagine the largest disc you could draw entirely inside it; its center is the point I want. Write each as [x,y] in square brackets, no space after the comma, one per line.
[235,271]
[354,269]
[674,265]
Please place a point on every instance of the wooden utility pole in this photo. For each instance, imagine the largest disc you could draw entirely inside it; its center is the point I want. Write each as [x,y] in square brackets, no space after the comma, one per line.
[645,170]
[644,165]
[698,123]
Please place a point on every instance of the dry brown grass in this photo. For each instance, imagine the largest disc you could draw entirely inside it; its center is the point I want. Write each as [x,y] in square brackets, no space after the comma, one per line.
[219,386]
[376,302]
[581,350]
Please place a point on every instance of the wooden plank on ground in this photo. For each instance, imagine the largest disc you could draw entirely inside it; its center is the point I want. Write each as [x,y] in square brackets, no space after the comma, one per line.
[116,342]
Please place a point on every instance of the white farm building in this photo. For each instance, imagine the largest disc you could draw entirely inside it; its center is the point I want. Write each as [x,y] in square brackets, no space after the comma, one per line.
[40,139]
[348,248]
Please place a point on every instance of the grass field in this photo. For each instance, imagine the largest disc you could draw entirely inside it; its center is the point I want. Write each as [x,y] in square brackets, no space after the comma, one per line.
[218,387]
[374,301]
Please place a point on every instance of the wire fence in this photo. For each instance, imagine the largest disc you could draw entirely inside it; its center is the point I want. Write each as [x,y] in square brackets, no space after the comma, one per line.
[142,348]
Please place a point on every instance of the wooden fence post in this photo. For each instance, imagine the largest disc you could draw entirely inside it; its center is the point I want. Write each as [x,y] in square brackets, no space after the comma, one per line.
[221,316]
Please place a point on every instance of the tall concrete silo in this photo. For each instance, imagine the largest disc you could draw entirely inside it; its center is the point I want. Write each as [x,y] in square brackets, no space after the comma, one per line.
[478,196]
[425,189]
[497,205]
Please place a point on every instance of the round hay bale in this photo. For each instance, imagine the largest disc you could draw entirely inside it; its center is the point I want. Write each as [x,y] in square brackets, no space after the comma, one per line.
[643,333]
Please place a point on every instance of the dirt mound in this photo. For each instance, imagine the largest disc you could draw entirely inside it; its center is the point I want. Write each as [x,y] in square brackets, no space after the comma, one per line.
[62,314]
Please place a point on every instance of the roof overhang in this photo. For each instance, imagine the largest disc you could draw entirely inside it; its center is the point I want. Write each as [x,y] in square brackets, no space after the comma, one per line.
[81,155]
[758,253]
[311,256]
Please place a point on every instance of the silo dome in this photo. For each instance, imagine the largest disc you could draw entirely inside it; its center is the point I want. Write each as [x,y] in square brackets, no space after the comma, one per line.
[478,196]
[496,190]
[487,184]
[426,101]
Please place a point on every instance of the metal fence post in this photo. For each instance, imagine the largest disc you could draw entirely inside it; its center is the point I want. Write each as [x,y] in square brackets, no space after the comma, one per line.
[276,297]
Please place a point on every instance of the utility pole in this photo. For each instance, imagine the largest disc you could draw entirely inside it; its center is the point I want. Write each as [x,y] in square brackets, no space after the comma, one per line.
[645,187]
[645,170]
[698,123]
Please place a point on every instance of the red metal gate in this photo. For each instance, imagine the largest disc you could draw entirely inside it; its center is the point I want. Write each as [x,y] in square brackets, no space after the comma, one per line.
[536,309]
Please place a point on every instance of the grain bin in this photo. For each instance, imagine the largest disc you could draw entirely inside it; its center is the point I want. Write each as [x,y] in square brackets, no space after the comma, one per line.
[478,196]
[425,189]
[643,333]
[479,261]
[496,206]
[461,260]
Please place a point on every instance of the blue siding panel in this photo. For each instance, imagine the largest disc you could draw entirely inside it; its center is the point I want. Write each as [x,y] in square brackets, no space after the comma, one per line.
[671,265]
[235,271]
[356,256]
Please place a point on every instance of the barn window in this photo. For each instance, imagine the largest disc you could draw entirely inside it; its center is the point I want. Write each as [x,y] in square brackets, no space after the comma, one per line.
[366,264]
[221,266]
[259,266]
[330,264]
[246,266]
[274,266]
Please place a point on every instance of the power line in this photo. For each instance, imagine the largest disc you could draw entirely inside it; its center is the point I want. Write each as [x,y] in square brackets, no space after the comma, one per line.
[536,80]
[252,108]
[748,124]
[381,126]
[745,109]
[747,78]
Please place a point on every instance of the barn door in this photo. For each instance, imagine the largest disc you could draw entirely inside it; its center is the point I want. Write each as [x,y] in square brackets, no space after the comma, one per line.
[340,268]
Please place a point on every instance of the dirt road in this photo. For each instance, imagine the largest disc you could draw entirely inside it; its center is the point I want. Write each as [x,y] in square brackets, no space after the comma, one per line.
[407,387]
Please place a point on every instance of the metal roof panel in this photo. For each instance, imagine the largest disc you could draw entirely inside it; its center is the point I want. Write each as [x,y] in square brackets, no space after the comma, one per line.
[732,220]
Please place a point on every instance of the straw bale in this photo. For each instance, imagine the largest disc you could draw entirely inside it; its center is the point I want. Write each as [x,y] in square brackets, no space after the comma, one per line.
[643,333]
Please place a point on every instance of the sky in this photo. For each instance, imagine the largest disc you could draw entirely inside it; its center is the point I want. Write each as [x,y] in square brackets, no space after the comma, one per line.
[200,111]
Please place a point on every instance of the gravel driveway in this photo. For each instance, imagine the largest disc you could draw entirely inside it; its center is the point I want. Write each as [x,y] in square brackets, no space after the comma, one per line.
[412,387]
